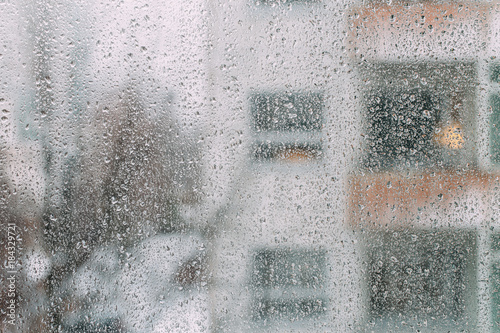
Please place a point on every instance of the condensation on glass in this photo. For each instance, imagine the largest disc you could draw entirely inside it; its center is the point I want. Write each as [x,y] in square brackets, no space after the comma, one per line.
[250,166]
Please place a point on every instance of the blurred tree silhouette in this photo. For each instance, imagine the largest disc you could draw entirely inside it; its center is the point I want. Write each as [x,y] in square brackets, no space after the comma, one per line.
[135,168]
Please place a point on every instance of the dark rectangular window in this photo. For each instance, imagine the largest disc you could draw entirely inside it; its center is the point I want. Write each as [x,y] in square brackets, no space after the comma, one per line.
[495,282]
[495,129]
[288,284]
[287,126]
[420,275]
[495,73]
[419,116]
[401,127]
[495,296]
[287,112]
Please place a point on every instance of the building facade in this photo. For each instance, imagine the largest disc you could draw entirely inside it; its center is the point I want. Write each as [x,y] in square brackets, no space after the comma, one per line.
[360,139]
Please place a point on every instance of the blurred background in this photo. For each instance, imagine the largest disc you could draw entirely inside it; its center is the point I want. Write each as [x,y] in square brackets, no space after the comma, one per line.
[250,166]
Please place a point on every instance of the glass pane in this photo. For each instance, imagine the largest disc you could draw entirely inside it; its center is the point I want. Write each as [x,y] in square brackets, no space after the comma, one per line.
[249,166]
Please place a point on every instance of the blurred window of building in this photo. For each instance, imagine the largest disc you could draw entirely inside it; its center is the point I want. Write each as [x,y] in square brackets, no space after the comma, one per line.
[422,276]
[495,73]
[287,126]
[494,123]
[401,127]
[495,282]
[495,129]
[419,115]
[288,285]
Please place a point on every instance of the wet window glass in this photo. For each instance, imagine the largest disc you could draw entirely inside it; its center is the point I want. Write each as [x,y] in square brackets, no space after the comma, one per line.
[249,166]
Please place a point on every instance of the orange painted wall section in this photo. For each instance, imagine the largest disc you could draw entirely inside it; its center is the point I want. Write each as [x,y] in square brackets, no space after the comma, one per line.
[424,29]
[447,198]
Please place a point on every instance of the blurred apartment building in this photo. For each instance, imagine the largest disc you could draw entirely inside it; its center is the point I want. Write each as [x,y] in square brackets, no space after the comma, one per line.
[350,151]
[362,142]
